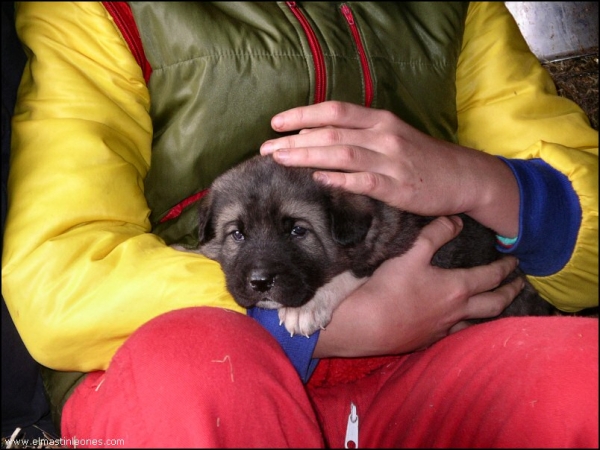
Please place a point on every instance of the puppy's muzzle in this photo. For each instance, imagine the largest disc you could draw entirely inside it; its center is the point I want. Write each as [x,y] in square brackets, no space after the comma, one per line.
[261,280]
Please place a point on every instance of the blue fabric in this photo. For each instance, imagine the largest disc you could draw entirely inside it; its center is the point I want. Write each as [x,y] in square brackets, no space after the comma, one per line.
[550,217]
[299,349]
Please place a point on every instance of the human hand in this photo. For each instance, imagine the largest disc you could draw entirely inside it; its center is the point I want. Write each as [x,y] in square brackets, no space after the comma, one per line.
[408,304]
[373,152]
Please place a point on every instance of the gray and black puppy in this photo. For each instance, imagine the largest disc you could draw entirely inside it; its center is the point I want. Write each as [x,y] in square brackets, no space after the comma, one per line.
[289,243]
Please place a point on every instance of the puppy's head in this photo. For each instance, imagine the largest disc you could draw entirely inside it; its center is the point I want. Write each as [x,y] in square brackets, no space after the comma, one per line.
[278,235]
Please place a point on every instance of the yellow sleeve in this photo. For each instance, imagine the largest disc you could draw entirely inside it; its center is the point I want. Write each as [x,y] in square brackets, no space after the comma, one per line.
[80,269]
[507,105]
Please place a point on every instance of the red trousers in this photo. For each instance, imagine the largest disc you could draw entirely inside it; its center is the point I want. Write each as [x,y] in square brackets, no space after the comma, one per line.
[207,377]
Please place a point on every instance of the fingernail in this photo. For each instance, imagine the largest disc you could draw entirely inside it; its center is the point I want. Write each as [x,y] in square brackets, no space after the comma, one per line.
[457,220]
[281,155]
[320,177]
[277,122]
[266,148]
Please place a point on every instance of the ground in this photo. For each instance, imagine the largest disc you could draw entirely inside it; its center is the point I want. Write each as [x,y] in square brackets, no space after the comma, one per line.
[577,79]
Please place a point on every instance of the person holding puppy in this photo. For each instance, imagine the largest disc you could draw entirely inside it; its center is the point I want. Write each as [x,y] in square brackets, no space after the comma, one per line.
[127,111]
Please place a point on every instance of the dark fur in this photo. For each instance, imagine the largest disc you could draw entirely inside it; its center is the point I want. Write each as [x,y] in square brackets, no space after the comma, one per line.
[298,235]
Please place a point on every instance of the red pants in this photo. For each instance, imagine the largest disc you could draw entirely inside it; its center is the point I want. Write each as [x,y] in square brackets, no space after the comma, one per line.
[206,377]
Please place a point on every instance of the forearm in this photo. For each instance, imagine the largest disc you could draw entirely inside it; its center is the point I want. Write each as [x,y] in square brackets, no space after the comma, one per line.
[364,326]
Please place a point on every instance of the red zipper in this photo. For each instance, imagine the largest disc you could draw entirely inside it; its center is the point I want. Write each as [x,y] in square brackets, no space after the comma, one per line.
[317,53]
[176,210]
[347,12]
[123,17]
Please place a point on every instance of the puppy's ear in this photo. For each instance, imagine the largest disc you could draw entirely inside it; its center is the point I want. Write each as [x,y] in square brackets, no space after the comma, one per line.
[351,217]
[206,230]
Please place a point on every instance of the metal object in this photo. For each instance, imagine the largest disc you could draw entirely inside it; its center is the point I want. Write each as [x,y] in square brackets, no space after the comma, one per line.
[352,428]
[558,30]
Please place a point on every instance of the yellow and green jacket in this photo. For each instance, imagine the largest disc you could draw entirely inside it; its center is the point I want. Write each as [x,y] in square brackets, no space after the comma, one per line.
[127,111]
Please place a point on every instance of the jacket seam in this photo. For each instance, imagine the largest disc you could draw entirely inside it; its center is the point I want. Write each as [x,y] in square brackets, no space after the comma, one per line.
[125,23]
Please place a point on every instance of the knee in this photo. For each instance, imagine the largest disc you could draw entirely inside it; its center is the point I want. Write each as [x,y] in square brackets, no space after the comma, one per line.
[189,376]
[184,335]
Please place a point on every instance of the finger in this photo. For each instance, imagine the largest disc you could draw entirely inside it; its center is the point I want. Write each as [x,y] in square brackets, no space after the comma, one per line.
[374,185]
[332,113]
[492,303]
[487,277]
[437,233]
[339,157]
[459,326]
[316,137]
[359,183]
[326,140]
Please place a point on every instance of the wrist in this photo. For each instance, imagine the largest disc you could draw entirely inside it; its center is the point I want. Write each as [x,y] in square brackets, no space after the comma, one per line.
[496,197]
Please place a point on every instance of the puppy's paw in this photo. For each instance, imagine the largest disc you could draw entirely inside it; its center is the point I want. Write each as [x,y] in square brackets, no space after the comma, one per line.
[317,313]
[306,319]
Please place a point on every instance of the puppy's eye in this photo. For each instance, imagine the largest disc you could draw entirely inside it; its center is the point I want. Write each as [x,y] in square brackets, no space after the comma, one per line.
[298,231]
[237,235]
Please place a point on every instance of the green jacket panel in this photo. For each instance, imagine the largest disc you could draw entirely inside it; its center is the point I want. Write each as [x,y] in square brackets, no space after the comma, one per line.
[274,48]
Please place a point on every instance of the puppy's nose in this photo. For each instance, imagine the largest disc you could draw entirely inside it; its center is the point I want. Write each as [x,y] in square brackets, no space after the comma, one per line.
[261,280]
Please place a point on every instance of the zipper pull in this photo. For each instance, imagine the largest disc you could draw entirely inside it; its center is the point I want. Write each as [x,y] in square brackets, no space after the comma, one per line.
[348,14]
[352,428]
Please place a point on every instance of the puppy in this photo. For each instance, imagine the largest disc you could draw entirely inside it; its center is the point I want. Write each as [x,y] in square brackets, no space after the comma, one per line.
[286,242]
